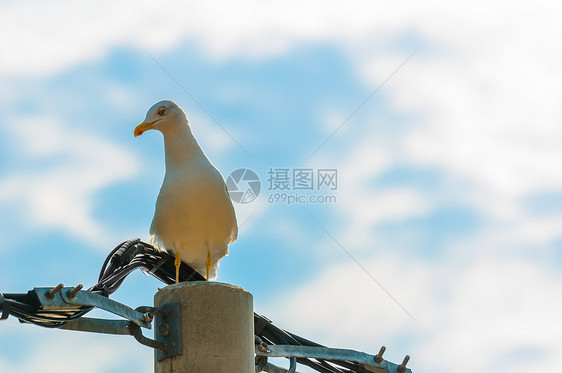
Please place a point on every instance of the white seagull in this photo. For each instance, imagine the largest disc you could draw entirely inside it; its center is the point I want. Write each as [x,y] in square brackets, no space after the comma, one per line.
[194,216]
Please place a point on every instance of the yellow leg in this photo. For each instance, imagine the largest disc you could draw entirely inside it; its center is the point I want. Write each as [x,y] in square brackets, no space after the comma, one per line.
[209,262]
[177,262]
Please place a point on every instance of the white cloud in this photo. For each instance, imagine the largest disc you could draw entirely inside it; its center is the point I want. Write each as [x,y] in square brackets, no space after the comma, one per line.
[484,93]
[469,316]
[60,170]
[39,31]
[360,206]
[490,111]
[36,31]
[479,97]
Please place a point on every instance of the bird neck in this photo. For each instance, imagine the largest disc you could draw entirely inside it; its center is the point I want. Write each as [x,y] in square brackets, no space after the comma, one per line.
[180,146]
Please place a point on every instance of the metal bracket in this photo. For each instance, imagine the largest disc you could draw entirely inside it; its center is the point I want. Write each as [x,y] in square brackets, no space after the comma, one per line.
[270,368]
[137,333]
[167,340]
[368,361]
[61,297]
[168,321]
[167,330]
[86,324]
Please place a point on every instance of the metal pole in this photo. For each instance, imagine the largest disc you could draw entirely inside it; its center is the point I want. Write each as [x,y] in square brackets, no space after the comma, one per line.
[217,327]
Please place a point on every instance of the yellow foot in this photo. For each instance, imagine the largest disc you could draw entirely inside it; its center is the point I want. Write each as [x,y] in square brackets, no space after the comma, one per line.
[177,262]
[209,263]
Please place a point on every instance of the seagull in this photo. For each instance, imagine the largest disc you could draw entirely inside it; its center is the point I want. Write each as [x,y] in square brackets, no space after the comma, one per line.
[194,217]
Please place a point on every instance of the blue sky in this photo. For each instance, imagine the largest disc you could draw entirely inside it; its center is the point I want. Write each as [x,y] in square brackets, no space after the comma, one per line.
[449,185]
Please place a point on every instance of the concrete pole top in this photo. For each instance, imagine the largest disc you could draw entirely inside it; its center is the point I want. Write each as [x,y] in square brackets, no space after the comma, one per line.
[203,283]
[217,328]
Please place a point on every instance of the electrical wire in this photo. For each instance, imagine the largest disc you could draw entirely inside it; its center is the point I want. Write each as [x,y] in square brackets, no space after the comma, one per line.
[134,254]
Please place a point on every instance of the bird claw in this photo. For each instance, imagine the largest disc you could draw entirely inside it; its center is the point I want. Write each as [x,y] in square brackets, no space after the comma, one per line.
[177,262]
[209,263]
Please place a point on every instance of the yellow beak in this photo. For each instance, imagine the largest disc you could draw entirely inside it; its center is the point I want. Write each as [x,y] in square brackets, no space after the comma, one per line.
[139,130]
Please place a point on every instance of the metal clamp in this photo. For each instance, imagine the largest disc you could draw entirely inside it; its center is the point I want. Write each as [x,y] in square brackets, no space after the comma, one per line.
[369,362]
[137,333]
[167,322]
[168,331]
[86,324]
[167,340]
[65,297]
[261,363]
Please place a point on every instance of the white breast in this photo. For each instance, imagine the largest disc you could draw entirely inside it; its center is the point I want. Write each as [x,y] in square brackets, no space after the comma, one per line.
[194,214]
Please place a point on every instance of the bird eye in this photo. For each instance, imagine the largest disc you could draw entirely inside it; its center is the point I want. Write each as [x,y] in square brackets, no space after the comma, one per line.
[161,111]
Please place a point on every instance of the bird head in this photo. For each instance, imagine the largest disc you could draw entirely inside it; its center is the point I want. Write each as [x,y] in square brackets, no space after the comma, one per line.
[161,116]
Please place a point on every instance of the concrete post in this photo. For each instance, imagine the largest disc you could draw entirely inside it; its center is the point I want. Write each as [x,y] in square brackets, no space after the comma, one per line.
[217,322]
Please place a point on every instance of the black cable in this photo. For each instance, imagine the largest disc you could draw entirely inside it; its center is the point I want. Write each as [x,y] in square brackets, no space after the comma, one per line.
[134,254]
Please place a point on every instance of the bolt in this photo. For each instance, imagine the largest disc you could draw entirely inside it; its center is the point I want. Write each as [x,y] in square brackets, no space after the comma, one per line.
[147,317]
[163,329]
[72,293]
[402,367]
[51,293]
[378,357]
